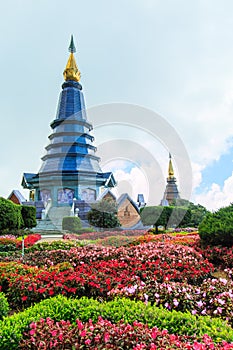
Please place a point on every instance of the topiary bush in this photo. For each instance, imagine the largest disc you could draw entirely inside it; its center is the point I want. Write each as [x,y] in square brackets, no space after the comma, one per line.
[71,223]
[4,306]
[217,228]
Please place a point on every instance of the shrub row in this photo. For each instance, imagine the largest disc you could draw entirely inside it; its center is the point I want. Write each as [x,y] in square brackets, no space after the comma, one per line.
[61,308]
[217,228]
[55,245]
[4,306]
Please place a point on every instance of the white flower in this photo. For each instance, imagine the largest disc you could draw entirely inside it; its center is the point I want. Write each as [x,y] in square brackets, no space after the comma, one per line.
[223,280]
[199,303]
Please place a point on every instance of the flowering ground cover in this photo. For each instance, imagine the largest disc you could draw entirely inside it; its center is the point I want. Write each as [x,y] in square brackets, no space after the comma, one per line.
[221,257]
[60,308]
[213,297]
[95,271]
[48,334]
[170,271]
[11,243]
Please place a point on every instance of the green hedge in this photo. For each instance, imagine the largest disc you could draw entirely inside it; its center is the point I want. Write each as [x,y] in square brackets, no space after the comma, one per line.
[61,308]
[4,306]
[10,215]
[71,223]
[217,228]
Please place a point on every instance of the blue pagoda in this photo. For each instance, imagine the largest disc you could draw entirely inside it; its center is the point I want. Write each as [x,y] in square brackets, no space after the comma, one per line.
[70,168]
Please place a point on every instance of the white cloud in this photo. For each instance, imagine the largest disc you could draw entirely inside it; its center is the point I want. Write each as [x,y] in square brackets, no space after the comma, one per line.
[217,196]
[132,182]
[206,127]
[197,175]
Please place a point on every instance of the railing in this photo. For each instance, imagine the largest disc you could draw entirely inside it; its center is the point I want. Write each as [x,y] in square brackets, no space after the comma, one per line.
[74,211]
[45,211]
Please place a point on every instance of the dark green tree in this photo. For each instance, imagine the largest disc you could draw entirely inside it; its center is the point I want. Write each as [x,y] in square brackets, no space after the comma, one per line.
[217,228]
[103,214]
[198,212]
[179,216]
[28,216]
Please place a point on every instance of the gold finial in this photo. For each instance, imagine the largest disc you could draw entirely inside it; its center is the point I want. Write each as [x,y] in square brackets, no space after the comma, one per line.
[71,71]
[170,167]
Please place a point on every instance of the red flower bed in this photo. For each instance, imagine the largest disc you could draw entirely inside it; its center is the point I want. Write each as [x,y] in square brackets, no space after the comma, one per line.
[48,334]
[29,240]
[96,270]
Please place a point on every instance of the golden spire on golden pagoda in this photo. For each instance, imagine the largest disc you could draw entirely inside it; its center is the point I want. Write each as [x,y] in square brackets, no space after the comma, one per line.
[170,167]
[71,71]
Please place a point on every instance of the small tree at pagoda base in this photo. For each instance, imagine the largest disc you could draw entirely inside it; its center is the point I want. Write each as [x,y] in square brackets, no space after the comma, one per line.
[104,214]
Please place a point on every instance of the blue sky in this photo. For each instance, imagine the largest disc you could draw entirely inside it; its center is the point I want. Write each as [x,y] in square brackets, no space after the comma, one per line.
[173,57]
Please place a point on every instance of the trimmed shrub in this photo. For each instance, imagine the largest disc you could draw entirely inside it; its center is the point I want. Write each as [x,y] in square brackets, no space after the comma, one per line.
[4,306]
[55,245]
[60,308]
[10,215]
[71,223]
[165,216]
[29,216]
[217,228]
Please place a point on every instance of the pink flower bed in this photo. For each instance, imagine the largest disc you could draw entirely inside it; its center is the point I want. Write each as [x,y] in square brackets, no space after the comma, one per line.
[48,334]
[214,297]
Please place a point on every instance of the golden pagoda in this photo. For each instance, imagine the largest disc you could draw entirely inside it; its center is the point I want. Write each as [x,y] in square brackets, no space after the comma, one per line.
[171,193]
[71,71]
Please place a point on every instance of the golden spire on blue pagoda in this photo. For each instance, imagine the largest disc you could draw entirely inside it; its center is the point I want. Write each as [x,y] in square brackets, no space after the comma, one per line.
[170,167]
[71,71]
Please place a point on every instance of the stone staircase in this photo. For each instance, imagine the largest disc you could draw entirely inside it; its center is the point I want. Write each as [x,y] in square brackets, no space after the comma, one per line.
[53,222]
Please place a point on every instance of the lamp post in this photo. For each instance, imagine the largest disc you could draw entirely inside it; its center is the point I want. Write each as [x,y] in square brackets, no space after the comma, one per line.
[22,245]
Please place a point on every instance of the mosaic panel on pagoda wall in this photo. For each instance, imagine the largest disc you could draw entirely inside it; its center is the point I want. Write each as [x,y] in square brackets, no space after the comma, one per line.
[65,196]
